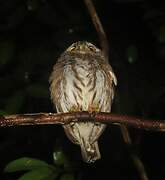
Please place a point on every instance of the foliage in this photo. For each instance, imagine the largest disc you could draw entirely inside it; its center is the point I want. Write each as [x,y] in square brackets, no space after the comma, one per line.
[40,170]
[132,54]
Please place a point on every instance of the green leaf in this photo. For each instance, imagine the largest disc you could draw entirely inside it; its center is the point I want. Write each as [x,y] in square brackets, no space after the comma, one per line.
[2,112]
[39,174]
[59,157]
[25,163]
[67,177]
[132,54]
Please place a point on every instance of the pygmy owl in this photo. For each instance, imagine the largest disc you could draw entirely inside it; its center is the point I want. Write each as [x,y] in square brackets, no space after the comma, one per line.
[82,80]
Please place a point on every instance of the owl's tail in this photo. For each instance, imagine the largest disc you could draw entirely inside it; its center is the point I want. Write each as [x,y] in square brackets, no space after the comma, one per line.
[90,152]
[85,135]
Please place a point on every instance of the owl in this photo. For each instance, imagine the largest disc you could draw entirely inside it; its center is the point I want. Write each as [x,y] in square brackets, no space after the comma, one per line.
[82,80]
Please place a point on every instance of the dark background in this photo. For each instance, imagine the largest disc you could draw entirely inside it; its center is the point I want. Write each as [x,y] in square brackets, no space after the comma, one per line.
[33,33]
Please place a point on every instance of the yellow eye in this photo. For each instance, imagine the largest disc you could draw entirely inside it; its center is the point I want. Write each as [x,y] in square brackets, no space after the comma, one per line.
[91,48]
[72,48]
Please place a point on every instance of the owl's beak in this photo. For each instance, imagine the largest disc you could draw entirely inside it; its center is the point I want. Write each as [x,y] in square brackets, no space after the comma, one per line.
[83,48]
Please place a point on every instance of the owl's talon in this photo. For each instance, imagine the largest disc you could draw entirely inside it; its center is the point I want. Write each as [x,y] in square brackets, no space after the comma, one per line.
[72,123]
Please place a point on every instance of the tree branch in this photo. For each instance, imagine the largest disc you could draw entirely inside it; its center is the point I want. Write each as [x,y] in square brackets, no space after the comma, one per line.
[99,28]
[133,155]
[64,118]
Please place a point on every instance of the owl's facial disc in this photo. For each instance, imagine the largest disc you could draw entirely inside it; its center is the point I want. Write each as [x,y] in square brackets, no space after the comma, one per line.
[83,47]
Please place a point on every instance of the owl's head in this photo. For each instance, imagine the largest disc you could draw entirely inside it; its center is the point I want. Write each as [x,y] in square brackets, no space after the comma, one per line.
[83,47]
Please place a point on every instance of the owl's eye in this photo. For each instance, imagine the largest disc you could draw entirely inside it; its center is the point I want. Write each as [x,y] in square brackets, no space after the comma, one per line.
[72,48]
[91,48]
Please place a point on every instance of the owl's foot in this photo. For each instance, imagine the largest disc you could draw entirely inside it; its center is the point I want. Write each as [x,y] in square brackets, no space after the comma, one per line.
[92,108]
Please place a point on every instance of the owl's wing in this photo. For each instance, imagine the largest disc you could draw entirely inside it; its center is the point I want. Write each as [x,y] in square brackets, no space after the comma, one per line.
[111,80]
[55,84]
[70,132]
[108,69]
[98,128]
[55,88]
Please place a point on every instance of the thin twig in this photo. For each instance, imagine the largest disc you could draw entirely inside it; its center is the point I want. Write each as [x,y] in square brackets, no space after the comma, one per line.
[64,118]
[105,48]
[99,28]
[135,158]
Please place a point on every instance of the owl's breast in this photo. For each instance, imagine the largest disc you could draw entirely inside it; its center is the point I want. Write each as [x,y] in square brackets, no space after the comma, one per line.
[84,87]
